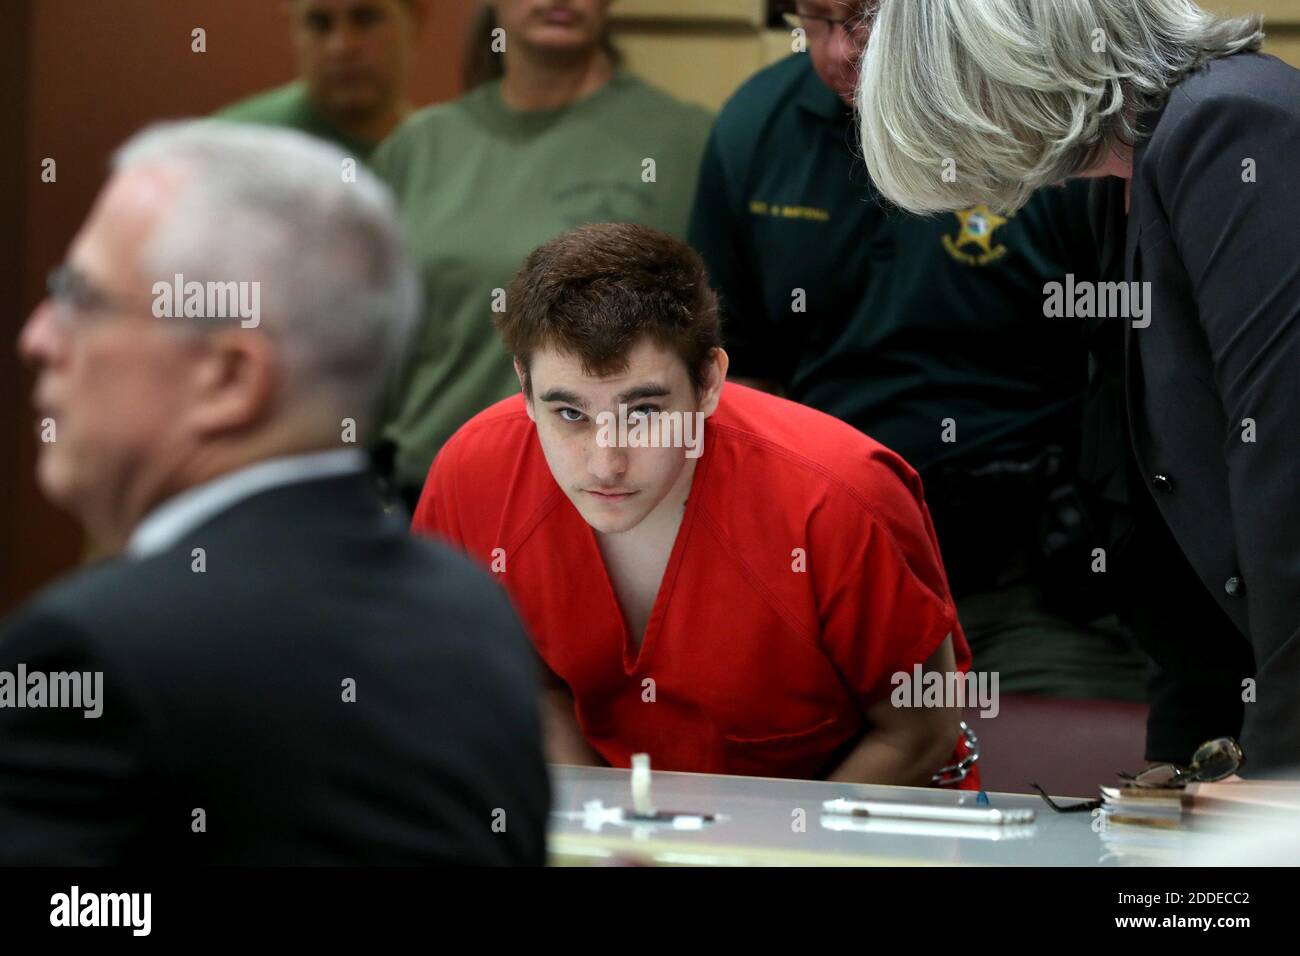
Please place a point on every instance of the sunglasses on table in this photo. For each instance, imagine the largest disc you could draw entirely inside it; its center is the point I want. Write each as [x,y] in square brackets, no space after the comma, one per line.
[1214,760]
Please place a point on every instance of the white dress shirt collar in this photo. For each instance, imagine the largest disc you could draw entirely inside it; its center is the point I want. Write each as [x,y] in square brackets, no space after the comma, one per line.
[178,515]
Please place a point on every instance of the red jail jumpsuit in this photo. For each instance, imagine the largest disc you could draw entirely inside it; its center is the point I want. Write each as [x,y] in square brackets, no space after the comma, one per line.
[804,574]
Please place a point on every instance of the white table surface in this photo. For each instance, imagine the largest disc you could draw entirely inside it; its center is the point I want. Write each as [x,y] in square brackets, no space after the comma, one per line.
[757,825]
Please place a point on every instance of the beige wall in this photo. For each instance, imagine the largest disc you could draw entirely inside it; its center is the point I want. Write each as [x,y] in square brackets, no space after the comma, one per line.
[701,50]
[1281,23]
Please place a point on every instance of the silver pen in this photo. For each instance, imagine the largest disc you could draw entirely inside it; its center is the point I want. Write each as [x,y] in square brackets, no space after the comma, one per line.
[920,811]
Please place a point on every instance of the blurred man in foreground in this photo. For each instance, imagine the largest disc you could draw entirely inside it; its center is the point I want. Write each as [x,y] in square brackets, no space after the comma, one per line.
[273,672]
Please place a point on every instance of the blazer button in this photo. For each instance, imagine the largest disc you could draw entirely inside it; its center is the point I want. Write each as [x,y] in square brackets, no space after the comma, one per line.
[1162,483]
[1235,587]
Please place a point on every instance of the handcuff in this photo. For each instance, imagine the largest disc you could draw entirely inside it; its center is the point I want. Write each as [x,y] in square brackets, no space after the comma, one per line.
[955,773]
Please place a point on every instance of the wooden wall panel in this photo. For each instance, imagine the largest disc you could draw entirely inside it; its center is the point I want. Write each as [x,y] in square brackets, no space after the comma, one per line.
[79,76]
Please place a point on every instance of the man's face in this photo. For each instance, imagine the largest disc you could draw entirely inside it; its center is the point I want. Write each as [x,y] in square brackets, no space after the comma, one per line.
[112,377]
[613,488]
[836,51]
[354,54]
[556,26]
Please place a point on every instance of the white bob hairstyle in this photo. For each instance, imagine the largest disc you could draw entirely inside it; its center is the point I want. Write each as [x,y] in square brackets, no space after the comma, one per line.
[964,102]
[316,231]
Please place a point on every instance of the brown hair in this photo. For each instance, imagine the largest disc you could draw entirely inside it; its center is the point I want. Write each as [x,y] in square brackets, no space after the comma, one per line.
[597,291]
[481,65]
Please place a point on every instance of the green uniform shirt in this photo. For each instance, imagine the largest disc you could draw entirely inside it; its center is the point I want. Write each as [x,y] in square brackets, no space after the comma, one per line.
[480,186]
[891,322]
[291,107]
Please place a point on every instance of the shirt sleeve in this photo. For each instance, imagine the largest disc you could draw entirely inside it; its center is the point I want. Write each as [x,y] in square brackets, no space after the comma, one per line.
[437,513]
[719,231]
[883,595]
[1235,236]
[387,163]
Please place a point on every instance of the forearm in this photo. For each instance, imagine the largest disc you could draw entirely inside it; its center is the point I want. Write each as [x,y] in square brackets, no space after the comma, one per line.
[564,740]
[905,746]
[900,757]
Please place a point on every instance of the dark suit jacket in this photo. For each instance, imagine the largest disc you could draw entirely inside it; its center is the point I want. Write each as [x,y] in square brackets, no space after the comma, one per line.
[1218,364]
[223,691]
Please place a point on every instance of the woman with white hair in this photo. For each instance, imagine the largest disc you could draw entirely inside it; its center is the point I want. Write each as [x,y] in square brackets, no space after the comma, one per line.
[1198,136]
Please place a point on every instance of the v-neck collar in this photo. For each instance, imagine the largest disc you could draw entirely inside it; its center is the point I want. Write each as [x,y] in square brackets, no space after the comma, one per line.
[636,657]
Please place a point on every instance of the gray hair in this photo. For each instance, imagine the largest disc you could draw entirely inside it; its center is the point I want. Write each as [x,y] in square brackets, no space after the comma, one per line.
[272,206]
[1007,96]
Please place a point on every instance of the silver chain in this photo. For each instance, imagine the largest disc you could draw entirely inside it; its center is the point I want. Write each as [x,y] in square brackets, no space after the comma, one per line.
[959,771]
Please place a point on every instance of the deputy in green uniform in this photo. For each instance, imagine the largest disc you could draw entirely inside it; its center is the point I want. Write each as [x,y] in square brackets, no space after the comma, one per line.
[562,136]
[928,334]
[354,57]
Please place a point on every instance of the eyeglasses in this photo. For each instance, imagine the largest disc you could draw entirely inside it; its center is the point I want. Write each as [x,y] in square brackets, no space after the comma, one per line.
[1213,760]
[819,28]
[75,296]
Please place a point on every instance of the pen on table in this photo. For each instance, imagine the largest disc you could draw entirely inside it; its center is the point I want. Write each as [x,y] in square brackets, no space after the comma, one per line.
[915,811]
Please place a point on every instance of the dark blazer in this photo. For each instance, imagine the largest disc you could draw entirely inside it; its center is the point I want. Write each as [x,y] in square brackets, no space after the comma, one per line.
[1217,365]
[224,691]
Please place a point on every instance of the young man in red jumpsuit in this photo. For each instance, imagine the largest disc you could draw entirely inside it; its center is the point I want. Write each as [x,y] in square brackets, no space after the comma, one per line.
[729,581]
